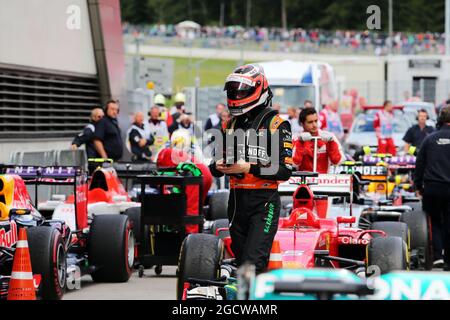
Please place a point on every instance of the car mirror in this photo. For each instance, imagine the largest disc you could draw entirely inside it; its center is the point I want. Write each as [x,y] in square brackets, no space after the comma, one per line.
[345,220]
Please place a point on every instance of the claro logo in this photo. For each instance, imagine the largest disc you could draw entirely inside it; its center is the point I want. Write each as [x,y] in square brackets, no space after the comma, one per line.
[8,238]
[350,240]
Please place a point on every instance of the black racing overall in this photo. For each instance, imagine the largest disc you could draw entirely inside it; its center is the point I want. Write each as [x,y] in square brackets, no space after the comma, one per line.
[254,203]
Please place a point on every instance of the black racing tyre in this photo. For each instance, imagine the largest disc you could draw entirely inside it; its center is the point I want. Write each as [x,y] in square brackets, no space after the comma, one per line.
[134,214]
[200,257]
[218,205]
[394,229]
[218,224]
[419,229]
[49,259]
[111,248]
[158,269]
[388,253]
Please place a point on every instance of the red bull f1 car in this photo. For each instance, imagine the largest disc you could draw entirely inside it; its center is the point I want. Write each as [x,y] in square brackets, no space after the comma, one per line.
[101,245]
[48,240]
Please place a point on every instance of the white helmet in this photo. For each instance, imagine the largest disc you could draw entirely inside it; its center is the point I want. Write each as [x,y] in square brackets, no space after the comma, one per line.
[181,139]
[180,97]
[159,99]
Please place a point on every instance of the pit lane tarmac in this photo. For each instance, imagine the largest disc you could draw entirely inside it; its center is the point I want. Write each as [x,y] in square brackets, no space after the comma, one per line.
[149,287]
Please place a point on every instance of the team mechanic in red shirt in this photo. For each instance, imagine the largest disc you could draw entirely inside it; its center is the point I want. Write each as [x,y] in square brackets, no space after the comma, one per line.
[330,120]
[261,158]
[328,147]
[384,128]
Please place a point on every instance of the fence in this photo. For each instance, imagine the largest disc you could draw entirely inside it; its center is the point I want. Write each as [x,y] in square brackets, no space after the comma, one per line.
[139,100]
[330,46]
[202,101]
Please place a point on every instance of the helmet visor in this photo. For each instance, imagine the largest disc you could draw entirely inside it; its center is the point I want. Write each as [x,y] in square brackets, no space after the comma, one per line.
[238,90]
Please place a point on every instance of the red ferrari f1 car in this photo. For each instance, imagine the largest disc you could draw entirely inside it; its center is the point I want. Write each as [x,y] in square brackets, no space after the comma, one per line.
[307,238]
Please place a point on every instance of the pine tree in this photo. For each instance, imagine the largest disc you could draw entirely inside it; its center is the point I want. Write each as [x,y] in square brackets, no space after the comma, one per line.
[408,15]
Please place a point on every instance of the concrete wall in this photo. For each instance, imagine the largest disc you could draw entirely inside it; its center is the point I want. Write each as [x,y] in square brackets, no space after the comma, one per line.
[48,34]
[41,34]
[401,74]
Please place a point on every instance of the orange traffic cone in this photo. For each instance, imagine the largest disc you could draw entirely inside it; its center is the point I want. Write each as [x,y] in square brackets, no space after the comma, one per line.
[21,285]
[275,261]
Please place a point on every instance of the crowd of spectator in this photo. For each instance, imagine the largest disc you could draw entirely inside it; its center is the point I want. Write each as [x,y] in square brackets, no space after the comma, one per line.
[296,39]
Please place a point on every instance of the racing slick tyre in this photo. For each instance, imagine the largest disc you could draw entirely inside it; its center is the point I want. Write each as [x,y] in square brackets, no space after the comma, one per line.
[218,205]
[134,214]
[388,253]
[49,259]
[418,225]
[111,248]
[200,257]
[394,229]
[219,224]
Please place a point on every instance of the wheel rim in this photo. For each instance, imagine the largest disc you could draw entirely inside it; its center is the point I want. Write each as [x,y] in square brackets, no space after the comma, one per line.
[130,248]
[61,265]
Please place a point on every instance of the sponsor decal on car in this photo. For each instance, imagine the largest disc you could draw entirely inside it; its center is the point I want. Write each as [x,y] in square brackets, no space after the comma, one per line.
[402,287]
[364,170]
[8,238]
[351,240]
[292,253]
[292,265]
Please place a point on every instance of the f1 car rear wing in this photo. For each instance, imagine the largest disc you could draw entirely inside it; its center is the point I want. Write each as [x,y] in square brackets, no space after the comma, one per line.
[61,175]
[395,162]
[364,170]
[322,184]
[124,170]
[75,177]
[129,170]
[379,107]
